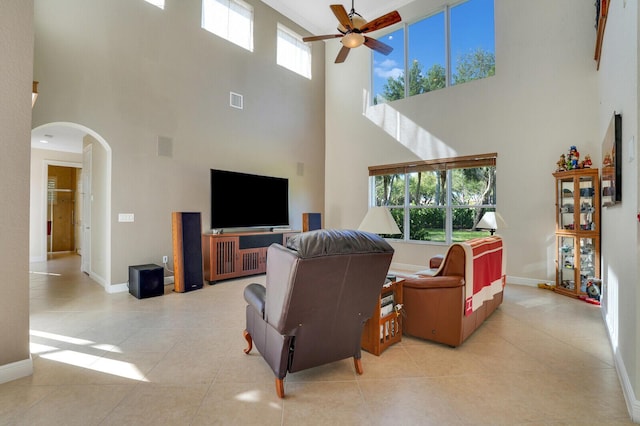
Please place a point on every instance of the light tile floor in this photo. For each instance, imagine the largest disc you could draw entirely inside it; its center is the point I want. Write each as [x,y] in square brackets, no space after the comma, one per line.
[111,359]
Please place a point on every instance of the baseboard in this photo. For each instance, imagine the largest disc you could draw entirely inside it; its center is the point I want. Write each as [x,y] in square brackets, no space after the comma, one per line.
[117,288]
[633,405]
[97,278]
[168,280]
[16,370]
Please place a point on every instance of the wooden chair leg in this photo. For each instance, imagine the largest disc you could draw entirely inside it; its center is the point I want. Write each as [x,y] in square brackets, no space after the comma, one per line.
[357,362]
[247,337]
[280,387]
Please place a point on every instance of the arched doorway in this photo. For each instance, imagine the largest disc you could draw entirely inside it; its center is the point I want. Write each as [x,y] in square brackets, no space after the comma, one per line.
[75,145]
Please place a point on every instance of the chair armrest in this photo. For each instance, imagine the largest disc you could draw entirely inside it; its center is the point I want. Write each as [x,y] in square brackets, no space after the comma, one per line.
[255,295]
[447,281]
[436,261]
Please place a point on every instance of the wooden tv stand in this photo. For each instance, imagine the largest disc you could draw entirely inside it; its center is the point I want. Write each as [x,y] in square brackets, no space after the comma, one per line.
[238,254]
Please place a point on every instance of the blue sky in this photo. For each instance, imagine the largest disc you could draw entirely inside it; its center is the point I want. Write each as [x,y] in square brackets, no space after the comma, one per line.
[472,26]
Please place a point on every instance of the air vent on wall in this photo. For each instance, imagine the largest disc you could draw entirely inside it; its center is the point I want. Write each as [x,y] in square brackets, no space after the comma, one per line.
[236,100]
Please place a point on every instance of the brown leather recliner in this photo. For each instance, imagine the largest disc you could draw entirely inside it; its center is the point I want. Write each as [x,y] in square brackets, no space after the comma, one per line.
[320,290]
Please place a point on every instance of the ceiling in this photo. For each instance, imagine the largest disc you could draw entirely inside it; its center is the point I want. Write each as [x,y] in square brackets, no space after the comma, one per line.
[317,18]
[57,137]
[313,15]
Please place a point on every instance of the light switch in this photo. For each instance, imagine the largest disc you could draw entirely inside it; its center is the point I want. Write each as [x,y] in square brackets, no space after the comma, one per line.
[125,217]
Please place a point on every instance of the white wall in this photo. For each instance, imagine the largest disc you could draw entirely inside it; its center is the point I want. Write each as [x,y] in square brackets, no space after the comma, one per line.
[541,100]
[132,72]
[16,51]
[618,91]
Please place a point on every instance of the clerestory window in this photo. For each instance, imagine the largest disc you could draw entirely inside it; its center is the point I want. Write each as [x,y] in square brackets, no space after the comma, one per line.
[229,19]
[293,53]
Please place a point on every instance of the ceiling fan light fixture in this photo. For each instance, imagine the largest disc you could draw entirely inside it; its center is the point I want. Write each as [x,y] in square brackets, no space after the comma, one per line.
[352,40]
[352,27]
[357,22]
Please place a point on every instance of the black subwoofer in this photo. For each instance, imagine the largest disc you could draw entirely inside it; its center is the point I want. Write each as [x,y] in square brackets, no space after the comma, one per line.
[146,281]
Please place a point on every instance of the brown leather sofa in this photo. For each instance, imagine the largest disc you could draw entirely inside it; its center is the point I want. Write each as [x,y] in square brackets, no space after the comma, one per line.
[320,290]
[439,307]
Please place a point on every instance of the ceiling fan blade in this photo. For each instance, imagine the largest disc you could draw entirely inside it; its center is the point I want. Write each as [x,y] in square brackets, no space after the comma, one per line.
[382,22]
[342,55]
[378,46]
[322,37]
[341,14]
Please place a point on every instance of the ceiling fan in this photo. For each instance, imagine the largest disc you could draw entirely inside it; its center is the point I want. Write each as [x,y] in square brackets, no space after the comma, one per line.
[352,29]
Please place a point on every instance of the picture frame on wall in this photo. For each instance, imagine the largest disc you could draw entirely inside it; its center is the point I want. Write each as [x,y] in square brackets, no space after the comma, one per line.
[611,177]
[602,10]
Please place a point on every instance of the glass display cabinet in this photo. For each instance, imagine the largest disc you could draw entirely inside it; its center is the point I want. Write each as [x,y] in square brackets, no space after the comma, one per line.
[577,230]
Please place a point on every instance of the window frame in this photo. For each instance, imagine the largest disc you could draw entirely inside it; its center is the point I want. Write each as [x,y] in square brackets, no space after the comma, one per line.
[444,164]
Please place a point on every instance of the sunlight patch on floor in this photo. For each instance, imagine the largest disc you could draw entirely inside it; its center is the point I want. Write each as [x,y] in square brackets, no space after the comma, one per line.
[85,360]
[45,273]
[75,341]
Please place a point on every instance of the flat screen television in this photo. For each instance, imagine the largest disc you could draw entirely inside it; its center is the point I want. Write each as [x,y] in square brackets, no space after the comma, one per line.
[242,200]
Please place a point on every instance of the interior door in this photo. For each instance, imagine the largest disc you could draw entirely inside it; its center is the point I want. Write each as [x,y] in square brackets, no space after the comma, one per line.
[61,182]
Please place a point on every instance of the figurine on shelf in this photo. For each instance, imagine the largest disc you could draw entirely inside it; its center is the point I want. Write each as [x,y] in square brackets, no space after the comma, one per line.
[607,162]
[574,157]
[562,164]
[586,163]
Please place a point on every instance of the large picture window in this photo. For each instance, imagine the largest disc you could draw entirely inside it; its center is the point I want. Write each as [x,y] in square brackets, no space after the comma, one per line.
[439,201]
[453,45]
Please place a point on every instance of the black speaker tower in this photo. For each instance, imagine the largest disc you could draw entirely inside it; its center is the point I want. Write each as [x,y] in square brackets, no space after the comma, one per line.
[187,251]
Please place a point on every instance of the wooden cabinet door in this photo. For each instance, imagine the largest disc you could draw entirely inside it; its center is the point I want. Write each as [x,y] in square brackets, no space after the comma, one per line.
[253,261]
[220,257]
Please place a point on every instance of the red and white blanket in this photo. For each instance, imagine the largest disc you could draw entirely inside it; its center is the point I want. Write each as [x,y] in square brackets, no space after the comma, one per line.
[485,270]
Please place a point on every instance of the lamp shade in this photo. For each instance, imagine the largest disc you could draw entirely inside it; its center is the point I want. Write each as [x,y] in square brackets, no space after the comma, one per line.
[378,220]
[490,221]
